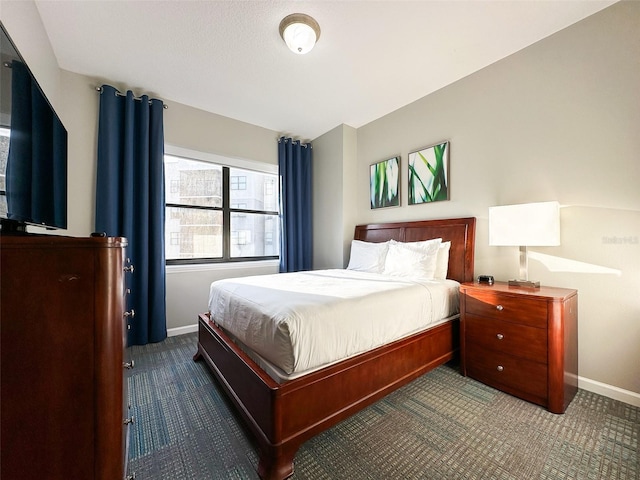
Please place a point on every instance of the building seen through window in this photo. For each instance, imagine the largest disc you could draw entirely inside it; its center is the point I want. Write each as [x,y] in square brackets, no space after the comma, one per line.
[219,213]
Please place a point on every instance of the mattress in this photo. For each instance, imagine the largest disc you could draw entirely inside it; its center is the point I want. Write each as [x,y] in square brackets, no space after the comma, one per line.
[280,376]
[299,322]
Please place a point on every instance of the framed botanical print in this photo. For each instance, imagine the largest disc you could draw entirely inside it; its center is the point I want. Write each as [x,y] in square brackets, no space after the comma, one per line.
[428,174]
[384,185]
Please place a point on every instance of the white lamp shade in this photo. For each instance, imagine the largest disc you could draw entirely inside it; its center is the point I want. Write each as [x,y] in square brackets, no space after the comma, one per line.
[300,32]
[529,224]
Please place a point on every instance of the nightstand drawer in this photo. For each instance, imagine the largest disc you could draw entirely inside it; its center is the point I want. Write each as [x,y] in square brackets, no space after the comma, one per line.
[518,309]
[514,375]
[513,339]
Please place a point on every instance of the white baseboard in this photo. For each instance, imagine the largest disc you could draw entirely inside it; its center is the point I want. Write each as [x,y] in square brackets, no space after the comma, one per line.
[172,332]
[610,391]
[594,386]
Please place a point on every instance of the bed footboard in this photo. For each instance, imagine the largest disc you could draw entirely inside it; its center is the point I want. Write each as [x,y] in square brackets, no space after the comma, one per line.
[252,391]
[283,416]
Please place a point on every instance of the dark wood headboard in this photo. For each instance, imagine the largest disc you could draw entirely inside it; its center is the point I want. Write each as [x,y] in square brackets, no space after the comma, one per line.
[460,231]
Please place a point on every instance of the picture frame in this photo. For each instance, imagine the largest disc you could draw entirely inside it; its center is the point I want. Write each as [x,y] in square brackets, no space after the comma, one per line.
[428,174]
[384,183]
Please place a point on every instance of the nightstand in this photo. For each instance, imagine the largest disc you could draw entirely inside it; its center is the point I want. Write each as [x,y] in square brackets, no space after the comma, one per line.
[521,341]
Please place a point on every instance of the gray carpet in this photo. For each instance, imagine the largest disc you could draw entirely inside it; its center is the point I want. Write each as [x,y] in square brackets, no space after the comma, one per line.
[441,426]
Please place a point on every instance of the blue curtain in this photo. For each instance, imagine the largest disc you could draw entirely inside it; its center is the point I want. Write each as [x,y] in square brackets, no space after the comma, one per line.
[130,201]
[296,239]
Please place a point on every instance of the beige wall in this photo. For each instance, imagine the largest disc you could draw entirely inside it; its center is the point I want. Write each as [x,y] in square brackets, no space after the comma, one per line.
[556,121]
[202,131]
[334,195]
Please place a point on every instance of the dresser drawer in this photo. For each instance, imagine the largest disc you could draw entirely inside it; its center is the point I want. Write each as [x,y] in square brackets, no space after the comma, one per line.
[513,339]
[515,375]
[527,311]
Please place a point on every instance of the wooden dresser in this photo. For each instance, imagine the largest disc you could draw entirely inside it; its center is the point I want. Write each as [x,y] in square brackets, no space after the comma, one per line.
[64,410]
[521,341]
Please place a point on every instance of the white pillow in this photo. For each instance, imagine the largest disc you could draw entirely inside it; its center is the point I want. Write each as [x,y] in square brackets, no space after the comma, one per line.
[442,261]
[367,256]
[410,260]
[425,245]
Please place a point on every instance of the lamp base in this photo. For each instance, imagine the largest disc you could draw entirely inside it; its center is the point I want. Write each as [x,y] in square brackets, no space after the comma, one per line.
[524,284]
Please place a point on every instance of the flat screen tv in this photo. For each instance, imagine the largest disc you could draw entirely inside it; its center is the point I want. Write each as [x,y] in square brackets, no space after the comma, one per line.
[33,149]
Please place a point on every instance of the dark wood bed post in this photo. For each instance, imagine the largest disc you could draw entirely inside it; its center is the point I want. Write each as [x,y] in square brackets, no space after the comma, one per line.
[283,416]
[277,463]
[229,366]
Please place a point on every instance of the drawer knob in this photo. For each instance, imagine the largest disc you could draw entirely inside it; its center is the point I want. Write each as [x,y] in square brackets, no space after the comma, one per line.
[499,336]
[499,308]
[128,421]
[500,368]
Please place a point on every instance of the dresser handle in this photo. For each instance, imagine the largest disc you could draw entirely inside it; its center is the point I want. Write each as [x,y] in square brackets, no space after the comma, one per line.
[500,368]
[499,308]
[499,336]
[131,313]
[128,421]
[128,267]
[129,365]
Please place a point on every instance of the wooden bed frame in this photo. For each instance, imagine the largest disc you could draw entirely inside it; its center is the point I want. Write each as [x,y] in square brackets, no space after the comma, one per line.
[283,416]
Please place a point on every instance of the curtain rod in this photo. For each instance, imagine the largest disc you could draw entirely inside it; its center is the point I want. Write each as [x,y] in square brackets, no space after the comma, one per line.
[119,94]
[304,145]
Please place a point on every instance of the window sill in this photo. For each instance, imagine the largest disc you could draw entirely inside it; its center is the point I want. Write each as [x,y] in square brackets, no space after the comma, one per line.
[208,267]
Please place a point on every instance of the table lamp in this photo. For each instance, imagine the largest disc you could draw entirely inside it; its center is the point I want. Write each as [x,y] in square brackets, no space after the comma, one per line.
[525,225]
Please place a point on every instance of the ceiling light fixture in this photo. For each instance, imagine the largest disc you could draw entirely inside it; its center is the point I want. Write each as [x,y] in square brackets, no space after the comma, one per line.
[300,32]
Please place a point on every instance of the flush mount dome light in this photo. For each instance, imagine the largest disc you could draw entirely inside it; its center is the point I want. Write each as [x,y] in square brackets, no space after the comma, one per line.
[300,32]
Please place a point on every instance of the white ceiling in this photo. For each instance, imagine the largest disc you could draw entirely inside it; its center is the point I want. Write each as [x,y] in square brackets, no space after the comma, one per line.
[227,57]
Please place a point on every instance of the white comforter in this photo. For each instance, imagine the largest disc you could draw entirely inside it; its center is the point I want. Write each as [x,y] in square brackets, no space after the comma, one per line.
[300,321]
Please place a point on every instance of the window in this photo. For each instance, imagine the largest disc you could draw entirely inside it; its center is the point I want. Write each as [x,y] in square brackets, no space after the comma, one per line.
[238,182]
[175,238]
[219,213]
[269,187]
[240,237]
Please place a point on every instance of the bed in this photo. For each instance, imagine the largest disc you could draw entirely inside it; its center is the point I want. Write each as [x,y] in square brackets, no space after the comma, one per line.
[283,414]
